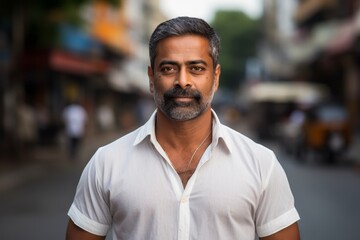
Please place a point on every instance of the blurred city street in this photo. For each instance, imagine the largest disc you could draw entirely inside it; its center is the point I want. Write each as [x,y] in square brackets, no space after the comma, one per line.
[327,198]
[76,72]
[35,197]
[35,207]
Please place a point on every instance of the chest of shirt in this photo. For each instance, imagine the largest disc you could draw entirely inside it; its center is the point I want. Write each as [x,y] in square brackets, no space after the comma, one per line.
[225,187]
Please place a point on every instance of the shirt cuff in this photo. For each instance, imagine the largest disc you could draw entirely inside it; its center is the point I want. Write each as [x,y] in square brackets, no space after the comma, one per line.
[278,223]
[86,223]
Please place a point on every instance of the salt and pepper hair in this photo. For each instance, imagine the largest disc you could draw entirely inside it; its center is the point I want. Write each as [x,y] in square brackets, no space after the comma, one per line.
[184,26]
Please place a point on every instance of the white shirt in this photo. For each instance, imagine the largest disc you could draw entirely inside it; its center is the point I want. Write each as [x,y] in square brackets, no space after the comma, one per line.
[130,186]
[75,118]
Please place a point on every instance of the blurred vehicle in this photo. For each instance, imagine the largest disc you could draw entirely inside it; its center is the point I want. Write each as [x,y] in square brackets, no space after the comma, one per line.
[324,135]
[272,101]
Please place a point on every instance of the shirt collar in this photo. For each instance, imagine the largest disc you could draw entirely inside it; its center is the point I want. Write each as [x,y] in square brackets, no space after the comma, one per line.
[220,136]
[148,129]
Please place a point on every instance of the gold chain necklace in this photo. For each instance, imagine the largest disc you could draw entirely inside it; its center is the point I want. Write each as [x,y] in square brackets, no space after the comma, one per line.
[192,156]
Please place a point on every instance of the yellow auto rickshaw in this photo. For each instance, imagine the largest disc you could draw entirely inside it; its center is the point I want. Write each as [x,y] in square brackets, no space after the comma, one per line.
[326,133]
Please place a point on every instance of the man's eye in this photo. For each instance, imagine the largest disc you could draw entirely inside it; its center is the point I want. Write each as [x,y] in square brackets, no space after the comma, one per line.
[197,69]
[167,69]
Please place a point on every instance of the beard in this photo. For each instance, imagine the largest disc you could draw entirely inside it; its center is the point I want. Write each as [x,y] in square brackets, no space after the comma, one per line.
[182,111]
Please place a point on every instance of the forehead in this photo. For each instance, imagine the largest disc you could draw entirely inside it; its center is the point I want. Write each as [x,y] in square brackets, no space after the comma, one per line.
[181,48]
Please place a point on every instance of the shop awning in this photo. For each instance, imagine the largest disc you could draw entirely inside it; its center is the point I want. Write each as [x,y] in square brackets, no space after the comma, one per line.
[301,92]
[109,25]
[62,61]
[67,62]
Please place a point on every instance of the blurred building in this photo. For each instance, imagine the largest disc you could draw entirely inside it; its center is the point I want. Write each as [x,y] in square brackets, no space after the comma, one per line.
[315,41]
[102,60]
[278,29]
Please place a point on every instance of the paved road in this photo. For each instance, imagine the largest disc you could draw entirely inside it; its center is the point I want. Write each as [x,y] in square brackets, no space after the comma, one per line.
[327,197]
[37,209]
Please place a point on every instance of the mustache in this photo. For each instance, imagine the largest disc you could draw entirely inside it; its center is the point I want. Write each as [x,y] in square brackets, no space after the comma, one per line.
[179,92]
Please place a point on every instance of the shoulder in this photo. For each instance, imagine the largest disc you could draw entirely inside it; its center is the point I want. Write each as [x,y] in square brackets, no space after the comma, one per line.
[244,144]
[258,159]
[240,145]
[111,156]
[118,147]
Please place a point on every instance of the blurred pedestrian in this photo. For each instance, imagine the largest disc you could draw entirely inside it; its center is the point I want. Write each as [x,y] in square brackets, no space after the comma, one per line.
[105,117]
[26,129]
[75,117]
[183,175]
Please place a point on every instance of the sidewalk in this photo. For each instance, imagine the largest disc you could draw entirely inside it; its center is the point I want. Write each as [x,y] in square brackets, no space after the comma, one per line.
[354,153]
[14,172]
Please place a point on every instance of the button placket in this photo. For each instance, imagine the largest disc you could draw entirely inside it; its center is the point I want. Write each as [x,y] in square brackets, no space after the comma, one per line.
[184,202]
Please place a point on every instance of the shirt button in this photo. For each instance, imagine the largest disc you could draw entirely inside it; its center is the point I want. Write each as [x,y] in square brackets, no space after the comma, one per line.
[184,199]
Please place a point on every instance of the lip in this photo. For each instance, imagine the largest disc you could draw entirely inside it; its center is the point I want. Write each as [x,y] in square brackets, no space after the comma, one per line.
[183,99]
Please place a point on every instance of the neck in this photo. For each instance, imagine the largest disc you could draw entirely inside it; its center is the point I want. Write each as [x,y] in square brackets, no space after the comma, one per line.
[180,133]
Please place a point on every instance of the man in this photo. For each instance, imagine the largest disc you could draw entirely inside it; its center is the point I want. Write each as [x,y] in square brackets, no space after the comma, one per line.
[75,117]
[183,175]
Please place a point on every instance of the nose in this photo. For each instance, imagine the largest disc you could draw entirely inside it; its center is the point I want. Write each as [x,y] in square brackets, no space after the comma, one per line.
[183,79]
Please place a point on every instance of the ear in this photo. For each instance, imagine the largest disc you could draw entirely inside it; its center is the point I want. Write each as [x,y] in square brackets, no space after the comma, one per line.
[151,79]
[217,76]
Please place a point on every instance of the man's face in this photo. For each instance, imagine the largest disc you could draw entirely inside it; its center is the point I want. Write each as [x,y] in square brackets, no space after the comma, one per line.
[183,81]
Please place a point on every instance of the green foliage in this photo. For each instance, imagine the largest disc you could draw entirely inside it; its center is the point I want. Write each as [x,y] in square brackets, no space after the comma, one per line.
[239,36]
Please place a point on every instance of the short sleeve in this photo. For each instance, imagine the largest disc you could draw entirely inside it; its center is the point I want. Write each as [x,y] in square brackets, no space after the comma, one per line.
[276,209]
[90,209]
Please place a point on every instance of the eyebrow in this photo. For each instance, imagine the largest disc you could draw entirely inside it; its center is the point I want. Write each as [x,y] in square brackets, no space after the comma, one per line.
[165,62]
[192,62]
[197,62]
